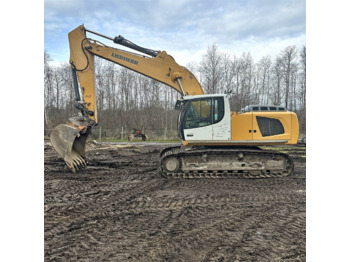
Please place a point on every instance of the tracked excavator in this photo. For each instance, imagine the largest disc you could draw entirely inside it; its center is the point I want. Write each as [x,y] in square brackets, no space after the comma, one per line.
[216,142]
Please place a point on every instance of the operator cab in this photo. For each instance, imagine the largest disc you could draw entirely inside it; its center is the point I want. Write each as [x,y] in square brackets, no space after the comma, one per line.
[204,117]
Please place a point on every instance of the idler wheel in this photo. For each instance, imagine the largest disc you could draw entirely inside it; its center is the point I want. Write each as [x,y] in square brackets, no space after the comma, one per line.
[171,164]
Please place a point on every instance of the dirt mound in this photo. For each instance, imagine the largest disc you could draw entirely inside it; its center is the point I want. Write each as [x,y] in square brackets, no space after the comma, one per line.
[120,209]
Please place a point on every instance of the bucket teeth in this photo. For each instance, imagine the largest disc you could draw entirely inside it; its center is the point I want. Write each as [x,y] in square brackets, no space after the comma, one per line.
[80,162]
[71,166]
[76,165]
[77,162]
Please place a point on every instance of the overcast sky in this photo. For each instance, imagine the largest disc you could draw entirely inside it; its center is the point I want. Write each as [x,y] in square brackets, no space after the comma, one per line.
[185,29]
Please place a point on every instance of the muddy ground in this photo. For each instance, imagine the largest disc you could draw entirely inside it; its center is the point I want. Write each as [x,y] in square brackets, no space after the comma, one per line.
[120,209]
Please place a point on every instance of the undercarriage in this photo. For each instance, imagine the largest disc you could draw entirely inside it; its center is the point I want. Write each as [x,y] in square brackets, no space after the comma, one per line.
[235,162]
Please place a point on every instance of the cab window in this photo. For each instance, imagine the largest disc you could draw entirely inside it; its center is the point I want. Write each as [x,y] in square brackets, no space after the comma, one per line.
[204,112]
[198,113]
[218,108]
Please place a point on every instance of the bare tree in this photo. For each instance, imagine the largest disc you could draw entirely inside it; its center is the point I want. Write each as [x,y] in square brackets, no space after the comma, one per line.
[264,68]
[211,70]
[288,65]
[277,94]
[48,87]
[303,76]
[246,71]
[228,73]
[68,95]
[302,83]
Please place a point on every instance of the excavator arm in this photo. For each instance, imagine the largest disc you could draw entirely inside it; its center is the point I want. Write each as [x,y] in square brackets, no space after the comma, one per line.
[69,139]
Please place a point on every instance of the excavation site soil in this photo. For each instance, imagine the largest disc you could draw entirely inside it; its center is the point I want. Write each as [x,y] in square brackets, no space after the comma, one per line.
[120,209]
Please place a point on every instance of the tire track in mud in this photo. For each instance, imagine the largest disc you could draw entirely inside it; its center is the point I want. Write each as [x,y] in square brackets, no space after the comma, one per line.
[194,237]
[216,238]
[141,205]
[277,185]
[231,227]
[101,206]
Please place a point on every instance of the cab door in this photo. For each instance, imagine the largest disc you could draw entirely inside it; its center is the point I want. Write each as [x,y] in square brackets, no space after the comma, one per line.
[221,118]
[198,120]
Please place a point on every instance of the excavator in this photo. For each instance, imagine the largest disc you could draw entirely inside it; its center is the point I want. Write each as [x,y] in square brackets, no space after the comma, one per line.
[216,143]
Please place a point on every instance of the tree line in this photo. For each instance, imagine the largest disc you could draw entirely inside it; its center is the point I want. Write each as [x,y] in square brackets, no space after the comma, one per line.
[130,100]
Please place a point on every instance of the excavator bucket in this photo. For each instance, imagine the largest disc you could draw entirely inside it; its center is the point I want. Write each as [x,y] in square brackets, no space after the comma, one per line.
[70,145]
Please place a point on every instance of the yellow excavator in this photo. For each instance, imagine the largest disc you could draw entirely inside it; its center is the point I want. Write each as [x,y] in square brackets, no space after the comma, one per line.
[215,141]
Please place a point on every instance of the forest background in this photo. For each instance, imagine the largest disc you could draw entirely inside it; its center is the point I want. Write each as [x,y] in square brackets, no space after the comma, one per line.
[127,100]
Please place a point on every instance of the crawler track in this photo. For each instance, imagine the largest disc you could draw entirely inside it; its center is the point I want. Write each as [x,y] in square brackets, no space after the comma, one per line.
[180,162]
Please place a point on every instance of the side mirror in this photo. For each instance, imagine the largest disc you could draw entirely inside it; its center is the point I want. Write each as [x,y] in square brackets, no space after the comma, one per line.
[179,104]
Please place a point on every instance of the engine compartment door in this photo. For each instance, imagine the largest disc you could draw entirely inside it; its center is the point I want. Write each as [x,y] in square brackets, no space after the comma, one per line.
[272,125]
